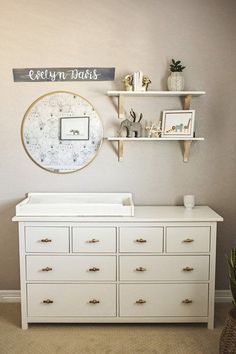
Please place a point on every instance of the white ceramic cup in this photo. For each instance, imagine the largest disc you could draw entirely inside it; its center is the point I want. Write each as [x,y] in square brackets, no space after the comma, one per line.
[189,201]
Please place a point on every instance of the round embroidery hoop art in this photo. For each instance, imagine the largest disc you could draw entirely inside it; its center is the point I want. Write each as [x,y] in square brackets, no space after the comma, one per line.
[48,139]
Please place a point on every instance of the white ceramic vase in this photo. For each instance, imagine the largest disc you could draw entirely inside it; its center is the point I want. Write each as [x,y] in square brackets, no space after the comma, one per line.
[175,81]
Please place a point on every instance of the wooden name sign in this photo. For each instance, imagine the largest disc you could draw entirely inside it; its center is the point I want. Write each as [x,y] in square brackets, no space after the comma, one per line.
[63,74]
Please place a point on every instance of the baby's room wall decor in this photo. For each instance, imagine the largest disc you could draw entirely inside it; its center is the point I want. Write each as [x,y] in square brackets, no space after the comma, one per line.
[178,123]
[61,132]
[63,74]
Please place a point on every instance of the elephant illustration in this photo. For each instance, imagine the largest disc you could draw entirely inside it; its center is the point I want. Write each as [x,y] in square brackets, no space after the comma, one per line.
[133,129]
[74,131]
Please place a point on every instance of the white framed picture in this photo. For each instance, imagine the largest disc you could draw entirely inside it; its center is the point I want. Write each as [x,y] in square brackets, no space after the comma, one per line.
[74,128]
[178,124]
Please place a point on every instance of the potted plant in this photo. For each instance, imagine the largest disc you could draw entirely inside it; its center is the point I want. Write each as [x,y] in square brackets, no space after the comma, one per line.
[175,81]
[228,335]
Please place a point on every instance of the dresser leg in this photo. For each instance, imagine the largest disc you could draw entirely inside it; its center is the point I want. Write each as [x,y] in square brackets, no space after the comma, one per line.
[24,324]
[210,324]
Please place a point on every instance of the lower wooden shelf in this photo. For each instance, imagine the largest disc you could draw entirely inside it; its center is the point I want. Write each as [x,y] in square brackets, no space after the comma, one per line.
[185,142]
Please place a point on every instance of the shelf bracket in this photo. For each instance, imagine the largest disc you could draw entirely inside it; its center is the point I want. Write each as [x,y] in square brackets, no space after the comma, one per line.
[121,113]
[120,150]
[186,149]
[187,102]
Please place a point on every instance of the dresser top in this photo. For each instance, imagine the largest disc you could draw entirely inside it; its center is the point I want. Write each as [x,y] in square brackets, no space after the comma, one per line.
[141,214]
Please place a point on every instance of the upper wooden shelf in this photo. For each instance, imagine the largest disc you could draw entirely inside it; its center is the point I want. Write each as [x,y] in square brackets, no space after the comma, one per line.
[155,93]
[185,95]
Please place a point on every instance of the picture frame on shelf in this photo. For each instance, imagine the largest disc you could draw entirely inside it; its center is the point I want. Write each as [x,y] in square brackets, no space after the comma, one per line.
[74,128]
[178,123]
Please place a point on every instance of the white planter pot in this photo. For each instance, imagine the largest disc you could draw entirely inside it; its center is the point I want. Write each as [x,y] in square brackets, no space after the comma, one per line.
[175,82]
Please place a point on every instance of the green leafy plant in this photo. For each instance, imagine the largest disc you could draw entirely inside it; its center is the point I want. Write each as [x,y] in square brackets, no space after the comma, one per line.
[232,273]
[176,66]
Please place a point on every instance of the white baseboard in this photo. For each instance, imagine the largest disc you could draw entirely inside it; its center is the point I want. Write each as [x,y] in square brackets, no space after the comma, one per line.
[14,296]
[223,296]
[9,295]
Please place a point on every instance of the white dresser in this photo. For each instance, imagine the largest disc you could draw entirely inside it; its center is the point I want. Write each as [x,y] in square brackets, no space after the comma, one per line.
[156,266]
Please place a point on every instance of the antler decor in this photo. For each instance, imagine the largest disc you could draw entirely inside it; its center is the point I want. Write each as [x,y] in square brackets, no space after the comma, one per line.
[133,115]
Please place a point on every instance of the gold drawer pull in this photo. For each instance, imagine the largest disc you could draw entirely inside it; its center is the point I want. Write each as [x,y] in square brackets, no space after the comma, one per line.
[188,269]
[141,240]
[46,240]
[94,269]
[93,240]
[188,240]
[141,301]
[48,301]
[94,302]
[140,269]
[47,269]
[187,301]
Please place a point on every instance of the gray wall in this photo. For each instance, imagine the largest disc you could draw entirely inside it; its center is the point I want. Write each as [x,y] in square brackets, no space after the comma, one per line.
[129,35]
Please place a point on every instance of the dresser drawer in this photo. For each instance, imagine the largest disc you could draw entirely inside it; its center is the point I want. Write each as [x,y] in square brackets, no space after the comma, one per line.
[71,300]
[141,300]
[87,268]
[188,239]
[174,268]
[94,239]
[141,239]
[47,239]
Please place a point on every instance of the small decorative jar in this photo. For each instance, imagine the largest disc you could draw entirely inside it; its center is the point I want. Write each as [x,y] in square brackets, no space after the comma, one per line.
[175,81]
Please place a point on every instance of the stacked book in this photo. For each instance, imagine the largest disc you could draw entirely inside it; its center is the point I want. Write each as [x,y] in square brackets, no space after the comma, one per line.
[138,81]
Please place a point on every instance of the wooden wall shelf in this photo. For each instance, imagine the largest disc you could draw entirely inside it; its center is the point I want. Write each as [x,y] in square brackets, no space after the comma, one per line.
[185,142]
[186,102]
[186,96]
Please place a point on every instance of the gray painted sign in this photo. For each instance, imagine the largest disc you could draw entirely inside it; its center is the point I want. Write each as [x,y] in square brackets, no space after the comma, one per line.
[63,74]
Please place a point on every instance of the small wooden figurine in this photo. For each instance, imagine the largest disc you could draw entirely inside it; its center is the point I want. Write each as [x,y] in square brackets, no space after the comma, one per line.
[154,130]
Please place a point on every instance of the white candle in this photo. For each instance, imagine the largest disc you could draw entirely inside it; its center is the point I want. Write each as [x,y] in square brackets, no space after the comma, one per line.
[189,201]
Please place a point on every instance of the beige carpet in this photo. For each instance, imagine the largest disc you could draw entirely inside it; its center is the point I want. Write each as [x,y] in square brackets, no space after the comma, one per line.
[107,339]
